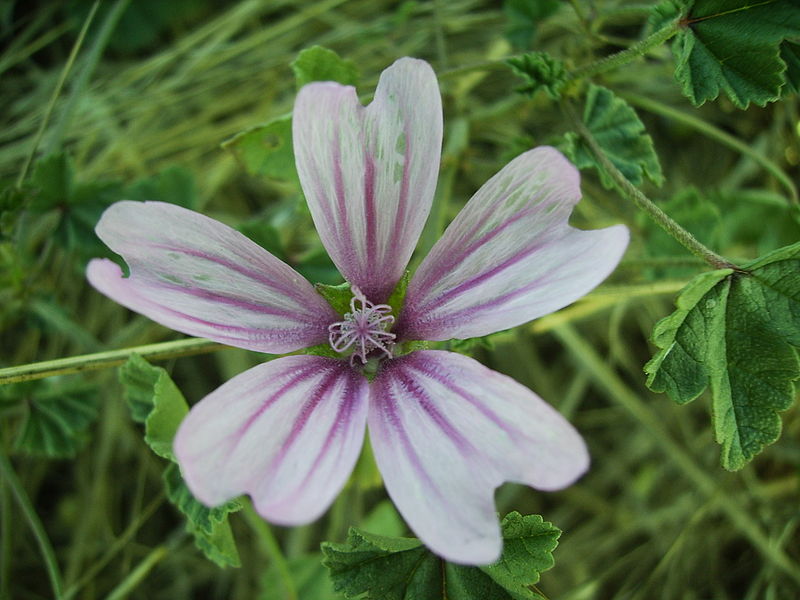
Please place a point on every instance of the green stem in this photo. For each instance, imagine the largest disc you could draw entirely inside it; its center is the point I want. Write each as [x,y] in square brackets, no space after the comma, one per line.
[105,360]
[138,575]
[625,56]
[620,393]
[271,549]
[715,133]
[46,548]
[681,235]
[57,92]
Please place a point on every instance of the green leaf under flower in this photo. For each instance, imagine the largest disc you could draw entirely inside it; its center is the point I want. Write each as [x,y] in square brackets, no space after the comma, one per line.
[736,333]
[387,568]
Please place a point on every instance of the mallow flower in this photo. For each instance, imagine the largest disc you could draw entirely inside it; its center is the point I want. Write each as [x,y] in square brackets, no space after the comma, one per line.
[444,429]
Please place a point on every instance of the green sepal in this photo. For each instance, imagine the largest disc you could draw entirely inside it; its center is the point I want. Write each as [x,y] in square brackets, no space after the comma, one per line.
[398,296]
[539,71]
[735,333]
[733,46]
[338,296]
[321,64]
[621,136]
[266,150]
[391,568]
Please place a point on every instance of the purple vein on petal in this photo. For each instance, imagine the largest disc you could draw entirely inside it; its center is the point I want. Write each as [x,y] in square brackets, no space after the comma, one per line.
[370,216]
[346,239]
[401,217]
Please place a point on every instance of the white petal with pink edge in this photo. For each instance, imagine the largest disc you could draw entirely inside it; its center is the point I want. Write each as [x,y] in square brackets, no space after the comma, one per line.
[446,431]
[287,432]
[510,255]
[369,174]
[201,277]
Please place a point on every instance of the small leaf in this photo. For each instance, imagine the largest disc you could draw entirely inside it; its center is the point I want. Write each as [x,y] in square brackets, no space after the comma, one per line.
[385,568]
[266,150]
[320,64]
[540,71]
[57,420]
[733,46]
[620,134]
[154,400]
[734,332]
[201,517]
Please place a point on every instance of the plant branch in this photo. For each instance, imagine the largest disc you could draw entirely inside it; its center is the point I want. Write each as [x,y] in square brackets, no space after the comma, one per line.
[105,360]
[625,56]
[630,191]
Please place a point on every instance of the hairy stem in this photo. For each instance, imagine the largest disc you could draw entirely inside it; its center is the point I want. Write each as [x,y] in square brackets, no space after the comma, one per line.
[630,191]
[105,360]
[625,56]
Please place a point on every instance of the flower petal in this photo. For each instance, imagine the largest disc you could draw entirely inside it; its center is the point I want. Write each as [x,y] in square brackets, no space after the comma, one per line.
[369,174]
[196,275]
[288,432]
[510,256]
[446,431]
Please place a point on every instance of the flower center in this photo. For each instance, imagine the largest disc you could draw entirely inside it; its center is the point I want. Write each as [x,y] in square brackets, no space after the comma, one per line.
[363,329]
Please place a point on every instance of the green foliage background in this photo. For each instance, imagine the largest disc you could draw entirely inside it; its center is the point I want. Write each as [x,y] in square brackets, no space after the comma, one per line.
[156,89]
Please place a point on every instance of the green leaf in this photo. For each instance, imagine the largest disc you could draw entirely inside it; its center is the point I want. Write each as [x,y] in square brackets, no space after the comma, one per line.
[539,71]
[620,134]
[320,64]
[790,54]
[733,46]
[57,420]
[52,178]
[399,568]
[175,185]
[735,333]
[523,18]
[156,401]
[266,150]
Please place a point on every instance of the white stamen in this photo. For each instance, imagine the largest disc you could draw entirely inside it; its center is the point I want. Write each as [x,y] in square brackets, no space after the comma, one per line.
[365,326]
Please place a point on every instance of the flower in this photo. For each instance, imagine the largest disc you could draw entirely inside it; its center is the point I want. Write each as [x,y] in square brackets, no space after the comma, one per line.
[445,430]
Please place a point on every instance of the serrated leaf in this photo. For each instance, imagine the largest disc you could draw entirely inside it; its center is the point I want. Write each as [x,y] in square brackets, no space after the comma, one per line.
[202,518]
[154,400]
[790,54]
[321,64]
[621,136]
[219,546]
[57,420]
[539,71]
[734,333]
[266,150]
[733,46]
[175,185]
[385,568]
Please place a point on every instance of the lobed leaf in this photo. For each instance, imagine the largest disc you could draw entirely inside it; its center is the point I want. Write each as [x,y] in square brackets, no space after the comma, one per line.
[388,568]
[539,71]
[266,150]
[736,333]
[733,46]
[620,134]
[321,64]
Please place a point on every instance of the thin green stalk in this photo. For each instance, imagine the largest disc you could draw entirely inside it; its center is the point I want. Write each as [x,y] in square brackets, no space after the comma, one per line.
[127,585]
[669,225]
[119,544]
[715,133]
[623,57]
[106,360]
[618,391]
[57,92]
[90,62]
[271,549]
[25,504]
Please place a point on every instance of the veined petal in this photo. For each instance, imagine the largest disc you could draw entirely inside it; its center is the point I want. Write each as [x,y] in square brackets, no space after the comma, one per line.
[446,431]
[510,256]
[369,174]
[287,432]
[196,275]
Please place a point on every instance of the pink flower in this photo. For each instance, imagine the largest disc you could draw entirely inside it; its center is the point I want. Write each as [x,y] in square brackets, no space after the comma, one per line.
[445,430]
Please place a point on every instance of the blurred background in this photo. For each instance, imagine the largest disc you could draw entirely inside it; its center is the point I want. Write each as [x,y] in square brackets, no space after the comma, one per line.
[147,101]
